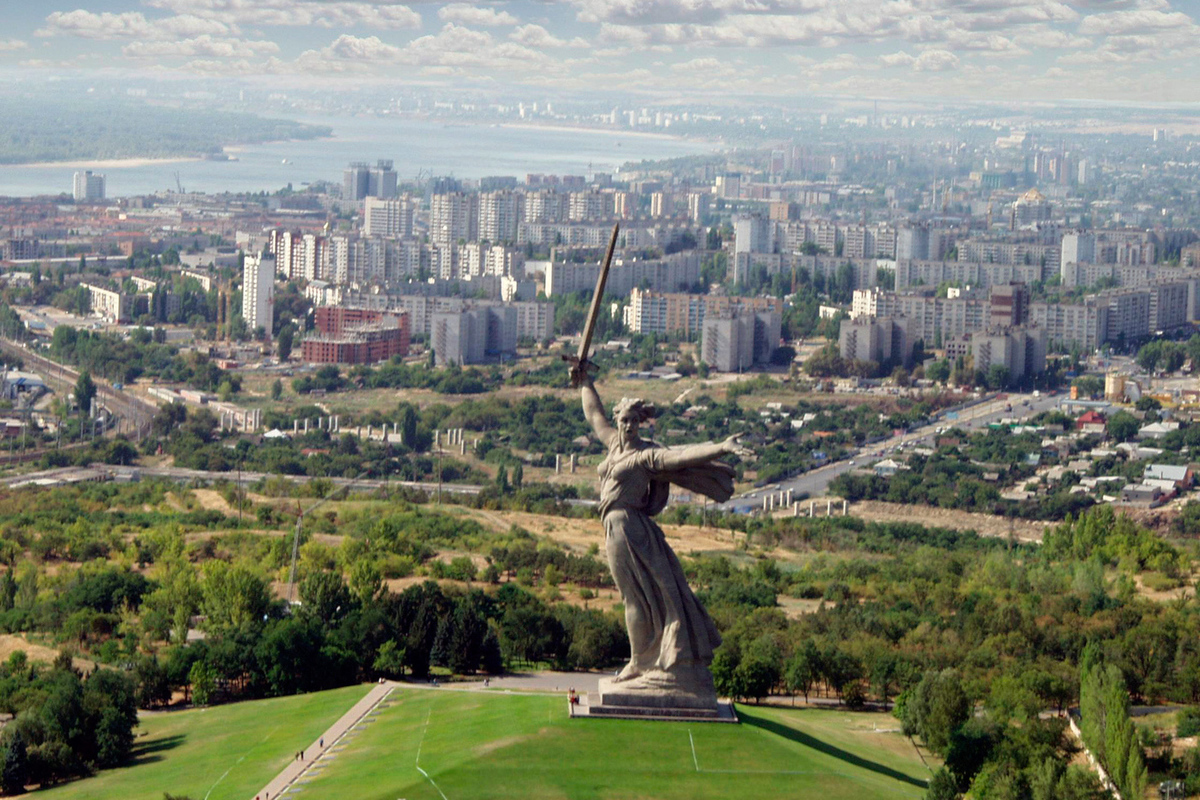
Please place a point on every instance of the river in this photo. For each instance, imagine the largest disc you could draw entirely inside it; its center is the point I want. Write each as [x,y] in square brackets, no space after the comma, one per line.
[415,145]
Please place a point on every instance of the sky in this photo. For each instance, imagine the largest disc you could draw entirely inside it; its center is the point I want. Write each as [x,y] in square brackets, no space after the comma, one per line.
[1006,50]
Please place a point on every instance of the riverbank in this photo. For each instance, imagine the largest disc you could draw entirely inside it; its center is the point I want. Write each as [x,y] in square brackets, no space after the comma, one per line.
[108,163]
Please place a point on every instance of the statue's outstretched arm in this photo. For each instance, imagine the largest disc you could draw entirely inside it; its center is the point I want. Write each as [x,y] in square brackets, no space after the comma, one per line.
[593,411]
[696,454]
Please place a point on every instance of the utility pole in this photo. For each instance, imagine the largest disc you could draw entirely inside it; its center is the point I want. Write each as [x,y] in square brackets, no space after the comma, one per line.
[299,527]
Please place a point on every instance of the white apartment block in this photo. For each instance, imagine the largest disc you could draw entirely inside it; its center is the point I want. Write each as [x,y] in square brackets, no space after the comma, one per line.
[545,206]
[392,218]
[88,186]
[110,305]
[454,217]
[587,206]
[499,214]
[670,274]
[258,292]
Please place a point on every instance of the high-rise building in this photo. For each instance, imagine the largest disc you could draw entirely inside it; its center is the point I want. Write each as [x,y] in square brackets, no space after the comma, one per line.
[356,181]
[660,205]
[258,292]
[878,339]
[1078,247]
[453,217]
[88,186]
[736,339]
[698,204]
[1009,304]
[678,313]
[584,206]
[392,218]
[1021,350]
[499,213]
[381,180]
[1030,208]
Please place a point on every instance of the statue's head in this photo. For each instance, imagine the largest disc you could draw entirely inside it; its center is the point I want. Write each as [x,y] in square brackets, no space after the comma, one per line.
[628,416]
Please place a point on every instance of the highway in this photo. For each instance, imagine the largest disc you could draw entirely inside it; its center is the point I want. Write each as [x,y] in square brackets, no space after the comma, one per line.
[815,482]
[206,476]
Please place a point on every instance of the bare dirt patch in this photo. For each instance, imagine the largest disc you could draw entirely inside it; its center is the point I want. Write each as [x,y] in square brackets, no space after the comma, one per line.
[12,642]
[983,524]
[211,500]
[580,534]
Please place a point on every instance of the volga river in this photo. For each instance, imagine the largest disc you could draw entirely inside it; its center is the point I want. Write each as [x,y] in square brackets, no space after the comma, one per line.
[432,147]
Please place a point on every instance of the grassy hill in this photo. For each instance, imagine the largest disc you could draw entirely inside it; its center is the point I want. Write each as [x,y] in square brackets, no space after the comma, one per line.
[220,753]
[497,745]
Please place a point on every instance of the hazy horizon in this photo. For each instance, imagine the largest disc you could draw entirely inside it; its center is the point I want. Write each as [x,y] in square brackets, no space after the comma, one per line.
[1140,51]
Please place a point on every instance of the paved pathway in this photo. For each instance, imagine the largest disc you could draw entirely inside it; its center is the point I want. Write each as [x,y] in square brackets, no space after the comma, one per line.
[280,783]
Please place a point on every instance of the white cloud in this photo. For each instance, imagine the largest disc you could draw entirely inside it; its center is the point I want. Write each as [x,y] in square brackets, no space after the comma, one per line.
[935,61]
[1054,39]
[536,36]
[697,64]
[900,59]
[843,62]
[467,14]
[9,45]
[202,46]
[297,13]
[370,48]
[87,25]
[453,46]
[128,25]
[928,61]
[1139,21]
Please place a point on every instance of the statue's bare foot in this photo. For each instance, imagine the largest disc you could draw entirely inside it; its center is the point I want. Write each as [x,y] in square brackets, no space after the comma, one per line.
[629,673]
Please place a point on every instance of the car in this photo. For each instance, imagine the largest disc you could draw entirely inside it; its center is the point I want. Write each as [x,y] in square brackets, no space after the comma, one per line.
[852,462]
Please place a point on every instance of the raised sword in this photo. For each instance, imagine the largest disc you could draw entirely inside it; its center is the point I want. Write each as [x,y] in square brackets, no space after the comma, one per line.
[580,363]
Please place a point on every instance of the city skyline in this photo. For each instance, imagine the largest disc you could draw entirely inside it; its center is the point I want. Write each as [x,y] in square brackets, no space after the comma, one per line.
[1123,50]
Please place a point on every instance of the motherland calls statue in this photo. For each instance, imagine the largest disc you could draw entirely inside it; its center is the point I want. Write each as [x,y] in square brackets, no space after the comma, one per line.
[671,636]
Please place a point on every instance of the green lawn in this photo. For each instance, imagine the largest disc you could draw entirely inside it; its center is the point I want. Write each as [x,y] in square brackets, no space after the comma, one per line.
[224,752]
[494,745]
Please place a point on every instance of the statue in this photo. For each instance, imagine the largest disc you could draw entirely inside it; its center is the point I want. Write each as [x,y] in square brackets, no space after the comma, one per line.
[671,636]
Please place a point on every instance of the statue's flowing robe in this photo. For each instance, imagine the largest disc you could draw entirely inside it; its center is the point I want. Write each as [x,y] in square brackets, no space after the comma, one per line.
[668,626]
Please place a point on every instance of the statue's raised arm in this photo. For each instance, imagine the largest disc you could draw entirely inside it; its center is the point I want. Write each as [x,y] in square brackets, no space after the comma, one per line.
[593,411]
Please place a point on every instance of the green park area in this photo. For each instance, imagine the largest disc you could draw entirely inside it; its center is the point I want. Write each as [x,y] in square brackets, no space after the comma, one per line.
[497,745]
[219,753]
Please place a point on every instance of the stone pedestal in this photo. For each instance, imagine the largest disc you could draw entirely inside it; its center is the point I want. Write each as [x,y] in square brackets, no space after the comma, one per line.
[657,696]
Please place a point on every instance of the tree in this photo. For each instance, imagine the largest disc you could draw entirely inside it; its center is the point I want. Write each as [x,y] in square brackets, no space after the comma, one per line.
[16,768]
[938,707]
[85,390]
[286,335]
[998,377]
[802,670]
[938,371]
[277,389]
[941,786]
[1122,426]
[408,426]
[203,679]
[390,659]
[825,363]
[325,596]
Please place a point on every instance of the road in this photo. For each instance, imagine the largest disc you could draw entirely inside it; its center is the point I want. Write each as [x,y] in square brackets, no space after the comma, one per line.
[815,482]
[207,476]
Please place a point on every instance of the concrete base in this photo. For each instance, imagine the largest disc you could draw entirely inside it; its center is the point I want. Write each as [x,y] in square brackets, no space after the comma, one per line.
[657,696]
[592,707]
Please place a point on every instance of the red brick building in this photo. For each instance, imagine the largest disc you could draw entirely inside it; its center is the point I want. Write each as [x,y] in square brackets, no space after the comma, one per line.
[355,336]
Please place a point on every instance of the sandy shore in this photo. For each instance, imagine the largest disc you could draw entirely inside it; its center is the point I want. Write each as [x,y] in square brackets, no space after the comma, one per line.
[112,163]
